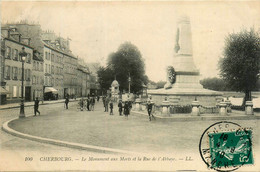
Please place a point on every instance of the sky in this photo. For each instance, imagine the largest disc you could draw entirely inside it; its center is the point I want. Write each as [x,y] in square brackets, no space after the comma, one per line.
[97,29]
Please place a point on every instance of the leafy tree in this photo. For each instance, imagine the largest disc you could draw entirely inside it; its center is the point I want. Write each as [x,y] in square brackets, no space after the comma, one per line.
[240,65]
[126,61]
[215,83]
[105,78]
[160,84]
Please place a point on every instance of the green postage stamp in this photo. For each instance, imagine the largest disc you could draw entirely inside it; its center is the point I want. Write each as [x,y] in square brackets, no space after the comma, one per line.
[226,146]
[231,148]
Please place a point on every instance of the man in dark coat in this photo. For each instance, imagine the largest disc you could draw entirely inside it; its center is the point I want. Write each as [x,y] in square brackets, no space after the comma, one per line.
[36,106]
[88,103]
[149,109]
[92,103]
[106,103]
[120,107]
[111,108]
[126,108]
[67,102]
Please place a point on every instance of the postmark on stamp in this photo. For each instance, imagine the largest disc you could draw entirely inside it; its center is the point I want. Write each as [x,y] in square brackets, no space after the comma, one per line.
[226,146]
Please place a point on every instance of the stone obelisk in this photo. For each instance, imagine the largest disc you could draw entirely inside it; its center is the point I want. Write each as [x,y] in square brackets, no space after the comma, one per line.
[183,77]
[187,75]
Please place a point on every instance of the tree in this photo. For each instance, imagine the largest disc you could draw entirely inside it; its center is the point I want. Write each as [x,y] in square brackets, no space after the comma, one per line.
[126,62]
[240,65]
[160,84]
[215,83]
[105,78]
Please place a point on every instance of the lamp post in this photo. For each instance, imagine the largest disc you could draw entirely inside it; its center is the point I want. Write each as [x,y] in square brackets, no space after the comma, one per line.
[129,80]
[23,56]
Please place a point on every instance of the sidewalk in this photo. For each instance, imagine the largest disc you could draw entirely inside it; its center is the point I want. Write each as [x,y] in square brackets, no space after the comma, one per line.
[27,104]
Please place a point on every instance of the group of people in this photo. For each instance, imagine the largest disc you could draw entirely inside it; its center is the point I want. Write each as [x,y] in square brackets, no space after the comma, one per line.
[88,103]
[124,107]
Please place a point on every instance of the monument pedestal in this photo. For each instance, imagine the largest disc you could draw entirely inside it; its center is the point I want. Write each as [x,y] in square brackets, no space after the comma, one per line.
[184,96]
[183,77]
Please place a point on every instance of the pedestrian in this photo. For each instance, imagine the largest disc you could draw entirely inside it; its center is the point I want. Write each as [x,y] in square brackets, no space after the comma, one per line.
[98,98]
[36,106]
[67,102]
[126,109]
[88,103]
[92,103]
[149,109]
[81,104]
[120,107]
[111,108]
[106,103]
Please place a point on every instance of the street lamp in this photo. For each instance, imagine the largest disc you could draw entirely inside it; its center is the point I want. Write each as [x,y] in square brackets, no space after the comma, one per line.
[129,80]
[23,56]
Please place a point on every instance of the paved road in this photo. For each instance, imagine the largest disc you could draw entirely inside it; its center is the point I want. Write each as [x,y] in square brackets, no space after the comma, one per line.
[14,150]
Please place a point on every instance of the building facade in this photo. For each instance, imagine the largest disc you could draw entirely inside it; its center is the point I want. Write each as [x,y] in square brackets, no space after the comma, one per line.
[83,77]
[3,91]
[70,75]
[13,66]
[50,66]
[53,76]
[37,75]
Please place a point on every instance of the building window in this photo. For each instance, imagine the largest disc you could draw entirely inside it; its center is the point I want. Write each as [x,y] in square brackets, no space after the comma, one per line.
[33,79]
[8,53]
[15,73]
[20,73]
[15,56]
[41,67]
[34,65]
[49,56]
[46,55]
[7,72]
[37,66]
[52,69]
[28,60]
[27,74]
[52,57]
[46,71]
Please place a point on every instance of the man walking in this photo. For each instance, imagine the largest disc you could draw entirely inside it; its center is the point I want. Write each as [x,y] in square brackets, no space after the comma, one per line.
[36,106]
[111,107]
[92,103]
[106,103]
[126,109]
[88,102]
[67,102]
[120,107]
[149,109]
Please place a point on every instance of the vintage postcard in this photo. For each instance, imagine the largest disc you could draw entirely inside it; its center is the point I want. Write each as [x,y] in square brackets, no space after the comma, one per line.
[130,86]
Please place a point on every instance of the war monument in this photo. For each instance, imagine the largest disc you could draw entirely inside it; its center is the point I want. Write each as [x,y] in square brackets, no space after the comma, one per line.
[183,85]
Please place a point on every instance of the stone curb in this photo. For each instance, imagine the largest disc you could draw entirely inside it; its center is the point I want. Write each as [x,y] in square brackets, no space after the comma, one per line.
[91,148]
[200,118]
[47,103]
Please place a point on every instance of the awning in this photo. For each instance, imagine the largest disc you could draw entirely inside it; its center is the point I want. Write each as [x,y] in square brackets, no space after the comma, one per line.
[50,89]
[3,91]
